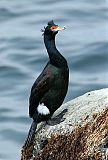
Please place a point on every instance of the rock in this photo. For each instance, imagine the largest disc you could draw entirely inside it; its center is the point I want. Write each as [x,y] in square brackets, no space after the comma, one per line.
[78,130]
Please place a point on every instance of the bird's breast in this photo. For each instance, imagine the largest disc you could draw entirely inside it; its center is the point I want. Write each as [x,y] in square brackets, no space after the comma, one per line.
[56,94]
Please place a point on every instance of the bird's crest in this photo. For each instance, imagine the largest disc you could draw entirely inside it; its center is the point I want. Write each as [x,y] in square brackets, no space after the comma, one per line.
[50,23]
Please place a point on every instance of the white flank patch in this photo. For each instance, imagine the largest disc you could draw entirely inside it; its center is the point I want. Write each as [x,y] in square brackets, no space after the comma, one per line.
[42,109]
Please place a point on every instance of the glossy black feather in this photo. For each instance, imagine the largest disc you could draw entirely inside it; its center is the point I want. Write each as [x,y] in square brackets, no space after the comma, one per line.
[31,134]
[51,86]
[41,86]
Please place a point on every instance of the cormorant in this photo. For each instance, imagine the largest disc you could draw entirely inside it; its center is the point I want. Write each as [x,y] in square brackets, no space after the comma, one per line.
[50,88]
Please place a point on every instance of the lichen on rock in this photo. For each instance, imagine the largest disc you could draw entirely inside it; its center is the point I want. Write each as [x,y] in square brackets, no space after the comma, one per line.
[78,130]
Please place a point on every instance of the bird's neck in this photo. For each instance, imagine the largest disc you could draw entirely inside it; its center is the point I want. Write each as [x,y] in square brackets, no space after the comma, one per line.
[54,55]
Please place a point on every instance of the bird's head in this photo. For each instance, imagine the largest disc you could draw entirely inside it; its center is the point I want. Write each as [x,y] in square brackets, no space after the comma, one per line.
[52,29]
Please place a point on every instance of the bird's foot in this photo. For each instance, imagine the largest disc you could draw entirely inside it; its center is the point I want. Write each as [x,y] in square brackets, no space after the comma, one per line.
[57,120]
[53,121]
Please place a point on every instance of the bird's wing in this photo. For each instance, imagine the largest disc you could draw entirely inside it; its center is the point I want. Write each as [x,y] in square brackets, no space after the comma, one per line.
[40,87]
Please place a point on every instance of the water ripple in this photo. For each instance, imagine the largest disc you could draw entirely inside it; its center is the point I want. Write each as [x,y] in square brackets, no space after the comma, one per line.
[5,14]
[10,134]
[23,56]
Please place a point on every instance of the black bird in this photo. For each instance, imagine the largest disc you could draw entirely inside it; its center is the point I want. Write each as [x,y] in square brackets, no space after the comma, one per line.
[50,88]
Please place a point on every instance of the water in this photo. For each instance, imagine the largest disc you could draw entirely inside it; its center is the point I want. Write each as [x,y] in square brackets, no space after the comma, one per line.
[23,56]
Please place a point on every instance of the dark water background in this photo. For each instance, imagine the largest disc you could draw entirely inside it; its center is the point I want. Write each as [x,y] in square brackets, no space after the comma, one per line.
[23,56]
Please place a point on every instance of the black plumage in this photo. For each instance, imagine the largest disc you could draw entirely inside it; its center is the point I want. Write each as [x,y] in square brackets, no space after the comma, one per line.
[50,88]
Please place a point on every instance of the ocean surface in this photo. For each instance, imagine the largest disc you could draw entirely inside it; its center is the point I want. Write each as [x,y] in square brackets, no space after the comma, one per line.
[23,56]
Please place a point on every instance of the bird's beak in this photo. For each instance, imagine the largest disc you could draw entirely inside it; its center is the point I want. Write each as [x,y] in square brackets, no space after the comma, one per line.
[57,28]
[60,29]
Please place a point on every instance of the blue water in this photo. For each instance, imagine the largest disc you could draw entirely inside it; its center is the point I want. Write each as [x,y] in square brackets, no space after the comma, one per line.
[23,56]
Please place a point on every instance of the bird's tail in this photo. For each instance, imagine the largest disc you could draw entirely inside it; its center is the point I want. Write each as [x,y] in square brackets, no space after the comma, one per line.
[31,134]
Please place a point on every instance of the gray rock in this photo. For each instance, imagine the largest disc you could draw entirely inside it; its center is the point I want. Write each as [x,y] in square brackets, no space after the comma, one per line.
[86,110]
